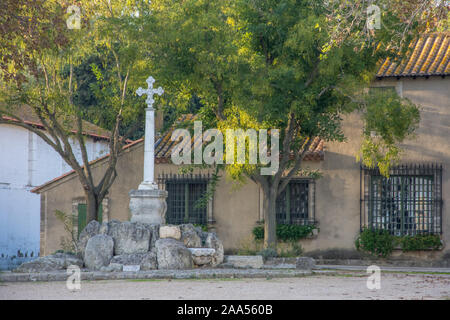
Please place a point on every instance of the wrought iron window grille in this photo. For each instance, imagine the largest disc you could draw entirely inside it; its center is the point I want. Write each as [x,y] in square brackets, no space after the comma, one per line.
[185,194]
[409,202]
[296,204]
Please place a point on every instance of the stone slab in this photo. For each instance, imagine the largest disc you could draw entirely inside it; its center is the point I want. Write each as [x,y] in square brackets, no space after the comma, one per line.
[204,273]
[197,252]
[255,262]
[172,232]
[131,268]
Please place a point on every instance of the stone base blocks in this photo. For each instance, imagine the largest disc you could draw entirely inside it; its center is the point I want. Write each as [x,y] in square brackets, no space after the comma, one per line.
[127,246]
[148,206]
[202,256]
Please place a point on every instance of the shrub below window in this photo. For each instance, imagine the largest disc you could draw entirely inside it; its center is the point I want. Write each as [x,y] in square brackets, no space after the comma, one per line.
[376,242]
[420,242]
[381,244]
[286,232]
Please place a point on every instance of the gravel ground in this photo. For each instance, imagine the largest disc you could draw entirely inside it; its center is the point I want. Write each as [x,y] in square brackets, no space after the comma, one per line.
[342,285]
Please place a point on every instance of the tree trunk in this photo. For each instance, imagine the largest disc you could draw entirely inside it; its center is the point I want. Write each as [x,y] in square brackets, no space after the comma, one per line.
[92,205]
[270,223]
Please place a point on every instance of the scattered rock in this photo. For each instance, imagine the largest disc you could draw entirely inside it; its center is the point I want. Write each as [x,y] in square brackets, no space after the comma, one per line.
[112,267]
[189,236]
[129,237]
[166,232]
[57,261]
[213,242]
[128,259]
[202,234]
[172,254]
[149,261]
[99,251]
[92,229]
[254,262]
[305,263]
[202,256]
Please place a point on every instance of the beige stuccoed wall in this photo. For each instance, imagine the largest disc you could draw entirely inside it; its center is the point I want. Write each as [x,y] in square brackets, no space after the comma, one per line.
[338,191]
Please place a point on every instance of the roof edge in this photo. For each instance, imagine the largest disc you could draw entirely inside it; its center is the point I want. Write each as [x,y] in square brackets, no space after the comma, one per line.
[41,188]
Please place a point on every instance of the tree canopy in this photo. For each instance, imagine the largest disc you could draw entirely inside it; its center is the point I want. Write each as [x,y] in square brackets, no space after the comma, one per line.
[298,66]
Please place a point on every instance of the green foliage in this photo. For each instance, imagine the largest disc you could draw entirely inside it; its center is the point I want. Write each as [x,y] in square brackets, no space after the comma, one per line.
[420,242]
[286,232]
[69,243]
[388,121]
[376,242]
[258,232]
[381,244]
[259,64]
[204,227]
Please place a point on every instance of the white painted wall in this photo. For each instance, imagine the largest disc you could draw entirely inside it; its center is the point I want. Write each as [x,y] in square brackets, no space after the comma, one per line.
[26,161]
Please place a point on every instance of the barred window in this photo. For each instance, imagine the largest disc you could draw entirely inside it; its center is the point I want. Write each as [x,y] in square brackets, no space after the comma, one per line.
[183,200]
[408,202]
[293,204]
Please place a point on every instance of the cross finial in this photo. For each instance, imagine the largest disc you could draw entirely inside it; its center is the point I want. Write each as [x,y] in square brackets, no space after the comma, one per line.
[150,91]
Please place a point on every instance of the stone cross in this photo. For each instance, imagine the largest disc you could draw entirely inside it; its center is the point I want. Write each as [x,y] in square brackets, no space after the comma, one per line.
[150,92]
[149,146]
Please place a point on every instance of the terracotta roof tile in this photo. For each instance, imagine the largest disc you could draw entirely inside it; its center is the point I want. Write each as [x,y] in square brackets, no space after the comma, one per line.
[427,56]
[29,117]
[164,146]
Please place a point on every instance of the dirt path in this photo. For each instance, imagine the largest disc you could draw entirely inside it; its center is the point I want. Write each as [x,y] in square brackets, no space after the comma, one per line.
[341,286]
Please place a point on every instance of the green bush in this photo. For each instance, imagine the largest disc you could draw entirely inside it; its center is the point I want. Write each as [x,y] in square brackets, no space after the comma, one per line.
[420,242]
[258,232]
[286,232]
[376,242]
[381,244]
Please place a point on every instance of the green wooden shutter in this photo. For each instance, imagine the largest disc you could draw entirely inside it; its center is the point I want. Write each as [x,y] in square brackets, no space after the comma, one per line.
[82,211]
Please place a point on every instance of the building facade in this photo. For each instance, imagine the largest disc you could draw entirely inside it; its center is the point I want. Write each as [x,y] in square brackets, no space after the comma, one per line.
[26,161]
[344,200]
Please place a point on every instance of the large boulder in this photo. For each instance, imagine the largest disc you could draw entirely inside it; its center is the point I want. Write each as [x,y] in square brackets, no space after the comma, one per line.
[172,232]
[146,261]
[57,261]
[128,259]
[112,267]
[149,261]
[213,242]
[172,254]
[129,237]
[202,256]
[92,229]
[99,251]
[189,236]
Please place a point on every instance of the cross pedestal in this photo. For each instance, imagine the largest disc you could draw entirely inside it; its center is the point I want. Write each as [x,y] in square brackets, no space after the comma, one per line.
[148,203]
